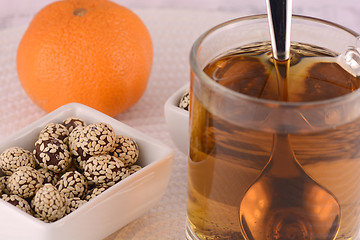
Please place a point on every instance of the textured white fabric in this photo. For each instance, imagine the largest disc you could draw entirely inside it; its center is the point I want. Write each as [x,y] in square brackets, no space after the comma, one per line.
[346,12]
[173,32]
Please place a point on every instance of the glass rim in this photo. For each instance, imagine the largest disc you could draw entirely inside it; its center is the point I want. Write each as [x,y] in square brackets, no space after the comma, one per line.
[195,67]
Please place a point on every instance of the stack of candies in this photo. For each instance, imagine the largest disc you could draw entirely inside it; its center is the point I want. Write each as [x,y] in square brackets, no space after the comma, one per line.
[70,164]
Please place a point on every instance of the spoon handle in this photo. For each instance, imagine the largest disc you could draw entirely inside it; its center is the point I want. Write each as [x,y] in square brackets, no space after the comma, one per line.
[279,14]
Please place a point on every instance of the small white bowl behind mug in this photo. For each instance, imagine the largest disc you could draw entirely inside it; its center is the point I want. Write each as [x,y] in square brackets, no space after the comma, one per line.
[177,120]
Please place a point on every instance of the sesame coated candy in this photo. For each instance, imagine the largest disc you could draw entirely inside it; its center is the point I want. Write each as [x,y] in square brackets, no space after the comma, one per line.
[73,204]
[79,155]
[96,191]
[104,169]
[72,122]
[55,130]
[52,154]
[24,182]
[48,176]
[126,149]
[17,202]
[133,169]
[49,203]
[97,138]
[15,157]
[74,140]
[185,100]
[72,184]
[3,184]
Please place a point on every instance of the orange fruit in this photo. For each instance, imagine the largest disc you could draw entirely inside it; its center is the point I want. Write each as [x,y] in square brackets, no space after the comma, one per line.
[93,52]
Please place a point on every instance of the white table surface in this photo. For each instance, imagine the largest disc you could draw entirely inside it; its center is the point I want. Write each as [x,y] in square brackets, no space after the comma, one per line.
[173,32]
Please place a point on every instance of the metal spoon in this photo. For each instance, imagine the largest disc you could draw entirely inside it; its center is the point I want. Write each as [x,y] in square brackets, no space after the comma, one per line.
[284,202]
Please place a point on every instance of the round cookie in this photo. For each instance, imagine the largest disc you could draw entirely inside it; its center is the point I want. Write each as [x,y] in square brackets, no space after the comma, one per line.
[49,203]
[97,138]
[55,130]
[52,154]
[72,184]
[24,182]
[73,204]
[72,122]
[104,169]
[15,157]
[126,149]
[17,202]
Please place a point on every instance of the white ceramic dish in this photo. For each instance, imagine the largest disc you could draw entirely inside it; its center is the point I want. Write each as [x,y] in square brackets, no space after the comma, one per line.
[177,120]
[111,210]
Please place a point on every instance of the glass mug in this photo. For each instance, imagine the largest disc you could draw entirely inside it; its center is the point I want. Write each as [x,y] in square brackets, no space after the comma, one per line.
[262,166]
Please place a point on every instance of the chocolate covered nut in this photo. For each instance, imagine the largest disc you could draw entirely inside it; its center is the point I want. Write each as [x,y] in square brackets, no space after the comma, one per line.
[185,100]
[72,122]
[97,138]
[96,191]
[15,157]
[49,203]
[17,202]
[104,169]
[52,154]
[126,149]
[133,169]
[48,176]
[24,182]
[55,130]
[73,204]
[79,155]
[72,184]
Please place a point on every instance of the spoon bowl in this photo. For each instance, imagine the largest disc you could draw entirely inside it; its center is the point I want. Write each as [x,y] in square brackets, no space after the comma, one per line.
[285,203]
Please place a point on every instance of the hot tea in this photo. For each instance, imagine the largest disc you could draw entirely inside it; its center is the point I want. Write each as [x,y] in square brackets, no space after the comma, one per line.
[226,157]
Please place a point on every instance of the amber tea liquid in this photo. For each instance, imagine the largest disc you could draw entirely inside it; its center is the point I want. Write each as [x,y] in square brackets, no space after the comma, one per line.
[226,158]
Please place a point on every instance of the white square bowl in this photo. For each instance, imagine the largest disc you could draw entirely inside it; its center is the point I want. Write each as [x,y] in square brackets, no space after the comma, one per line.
[111,210]
[177,120]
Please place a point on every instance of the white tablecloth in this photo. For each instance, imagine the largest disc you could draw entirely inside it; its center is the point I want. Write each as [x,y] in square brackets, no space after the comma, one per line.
[173,32]
[345,12]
